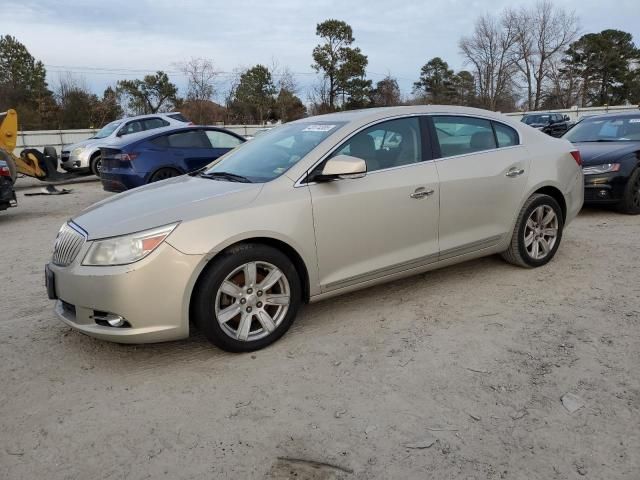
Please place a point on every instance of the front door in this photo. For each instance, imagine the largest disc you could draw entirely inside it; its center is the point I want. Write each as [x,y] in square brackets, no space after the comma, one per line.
[385,222]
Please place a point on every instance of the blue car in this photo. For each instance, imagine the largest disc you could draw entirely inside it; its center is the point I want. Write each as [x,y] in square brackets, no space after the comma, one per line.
[151,156]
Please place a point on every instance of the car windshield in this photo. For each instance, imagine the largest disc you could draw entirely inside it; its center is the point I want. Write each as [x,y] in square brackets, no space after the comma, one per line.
[107,130]
[598,129]
[530,119]
[274,152]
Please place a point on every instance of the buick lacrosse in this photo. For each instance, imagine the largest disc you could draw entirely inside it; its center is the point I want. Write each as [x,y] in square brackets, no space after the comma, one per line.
[312,209]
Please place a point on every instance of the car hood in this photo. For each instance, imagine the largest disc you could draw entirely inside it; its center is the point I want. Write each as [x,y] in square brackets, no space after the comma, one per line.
[596,153]
[178,199]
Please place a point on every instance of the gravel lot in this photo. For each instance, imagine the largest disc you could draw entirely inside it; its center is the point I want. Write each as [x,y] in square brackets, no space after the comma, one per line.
[457,373]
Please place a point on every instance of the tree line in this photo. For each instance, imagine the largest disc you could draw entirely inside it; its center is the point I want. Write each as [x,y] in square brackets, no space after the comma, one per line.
[529,58]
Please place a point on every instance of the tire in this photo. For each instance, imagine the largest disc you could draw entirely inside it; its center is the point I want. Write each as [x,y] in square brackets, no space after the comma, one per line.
[222,298]
[13,169]
[527,243]
[96,165]
[630,203]
[163,174]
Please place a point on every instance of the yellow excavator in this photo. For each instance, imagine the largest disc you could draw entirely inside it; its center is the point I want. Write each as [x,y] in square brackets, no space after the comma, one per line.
[31,162]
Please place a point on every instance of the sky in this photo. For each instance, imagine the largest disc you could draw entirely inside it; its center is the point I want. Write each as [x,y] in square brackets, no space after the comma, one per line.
[102,42]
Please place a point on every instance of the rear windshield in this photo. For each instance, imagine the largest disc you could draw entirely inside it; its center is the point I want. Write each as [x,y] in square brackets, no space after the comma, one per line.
[179,117]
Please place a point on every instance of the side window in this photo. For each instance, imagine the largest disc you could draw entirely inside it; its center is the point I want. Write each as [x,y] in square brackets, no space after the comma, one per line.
[151,123]
[507,136]
[222,139]
[462,135]
[162,141]
[386,145]
[188,139]
[131,127]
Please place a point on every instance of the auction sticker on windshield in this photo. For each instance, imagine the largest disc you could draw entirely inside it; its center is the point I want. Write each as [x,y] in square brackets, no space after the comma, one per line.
[319,128]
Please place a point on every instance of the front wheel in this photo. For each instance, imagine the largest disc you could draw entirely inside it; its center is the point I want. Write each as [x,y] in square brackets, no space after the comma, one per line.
[247,298]
[96,165]
[537,234]
[631,198]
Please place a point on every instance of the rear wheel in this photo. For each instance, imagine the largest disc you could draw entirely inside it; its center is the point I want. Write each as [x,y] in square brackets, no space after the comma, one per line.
[247,298]
[631,199]
[537,233]
[163,174]
[96,165]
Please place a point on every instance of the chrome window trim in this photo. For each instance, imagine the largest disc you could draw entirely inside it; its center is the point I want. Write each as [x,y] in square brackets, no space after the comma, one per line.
[300,182]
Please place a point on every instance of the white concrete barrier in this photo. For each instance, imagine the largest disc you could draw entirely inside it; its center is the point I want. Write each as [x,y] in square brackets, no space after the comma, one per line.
[576,113]
[59,138]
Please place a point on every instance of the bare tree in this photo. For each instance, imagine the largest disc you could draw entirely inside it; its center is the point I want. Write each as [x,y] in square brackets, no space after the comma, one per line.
[201,76]
[489,49]
[543,33]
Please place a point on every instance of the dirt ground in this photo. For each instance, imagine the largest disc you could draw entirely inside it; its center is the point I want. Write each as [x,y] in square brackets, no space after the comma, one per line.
[455,374]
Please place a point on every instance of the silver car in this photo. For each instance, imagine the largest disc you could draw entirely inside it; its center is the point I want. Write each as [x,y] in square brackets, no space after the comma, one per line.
[312,209]
[85,156]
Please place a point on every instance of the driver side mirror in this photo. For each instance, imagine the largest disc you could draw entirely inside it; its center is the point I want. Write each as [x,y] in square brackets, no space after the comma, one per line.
[342,167]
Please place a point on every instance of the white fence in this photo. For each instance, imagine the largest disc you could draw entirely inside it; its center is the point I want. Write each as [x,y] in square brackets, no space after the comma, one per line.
[59,138]
[577,113]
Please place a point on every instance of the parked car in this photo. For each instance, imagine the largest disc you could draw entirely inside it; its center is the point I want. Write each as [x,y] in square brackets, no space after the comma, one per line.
[7,194]
[554,124]
[610,148]
[312,209]
[148,157]
[85,156]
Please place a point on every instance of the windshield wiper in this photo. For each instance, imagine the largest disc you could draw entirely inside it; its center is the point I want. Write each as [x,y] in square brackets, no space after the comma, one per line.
[602,140]
[227,176]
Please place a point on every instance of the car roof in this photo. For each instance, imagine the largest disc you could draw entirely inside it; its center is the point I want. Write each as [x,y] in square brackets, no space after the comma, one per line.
[146,115]
[379,113]
[119,142]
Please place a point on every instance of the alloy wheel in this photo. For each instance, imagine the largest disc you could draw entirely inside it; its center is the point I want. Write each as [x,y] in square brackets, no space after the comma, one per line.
[252,301]
[541,232]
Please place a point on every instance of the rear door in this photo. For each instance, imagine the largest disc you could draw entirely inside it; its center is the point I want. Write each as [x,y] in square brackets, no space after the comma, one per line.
[190,149]
[483,171]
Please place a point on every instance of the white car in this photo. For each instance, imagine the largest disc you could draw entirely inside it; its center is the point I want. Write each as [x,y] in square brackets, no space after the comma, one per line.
[85,156]
[312,209]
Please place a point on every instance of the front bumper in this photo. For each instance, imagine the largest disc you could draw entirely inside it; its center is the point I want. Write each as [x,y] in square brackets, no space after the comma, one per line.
[152,295]
[74,163]
[607,188]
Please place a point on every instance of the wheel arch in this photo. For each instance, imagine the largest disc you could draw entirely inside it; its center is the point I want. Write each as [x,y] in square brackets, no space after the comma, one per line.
[278,244]
[557,195]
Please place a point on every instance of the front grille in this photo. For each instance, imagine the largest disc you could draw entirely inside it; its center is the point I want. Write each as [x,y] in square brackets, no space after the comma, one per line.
[67,245]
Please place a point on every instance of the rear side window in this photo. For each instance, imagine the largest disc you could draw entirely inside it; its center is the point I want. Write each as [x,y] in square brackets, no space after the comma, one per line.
[506,136]
[189,139]
[463,135]
[222,140]
[179,117]
[151,123]
[162,142]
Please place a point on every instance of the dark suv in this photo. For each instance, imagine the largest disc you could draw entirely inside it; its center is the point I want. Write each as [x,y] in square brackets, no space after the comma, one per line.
[554,124]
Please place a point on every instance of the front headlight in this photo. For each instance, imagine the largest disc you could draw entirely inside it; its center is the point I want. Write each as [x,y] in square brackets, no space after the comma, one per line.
[77,151]
[604,168]
[127,248]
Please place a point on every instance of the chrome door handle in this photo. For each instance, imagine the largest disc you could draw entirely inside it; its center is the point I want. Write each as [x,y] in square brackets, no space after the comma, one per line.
[515,172]
[421,193]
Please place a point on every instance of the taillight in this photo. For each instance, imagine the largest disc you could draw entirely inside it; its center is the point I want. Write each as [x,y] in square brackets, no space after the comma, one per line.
[576,156]
[5,172]
[125,157]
